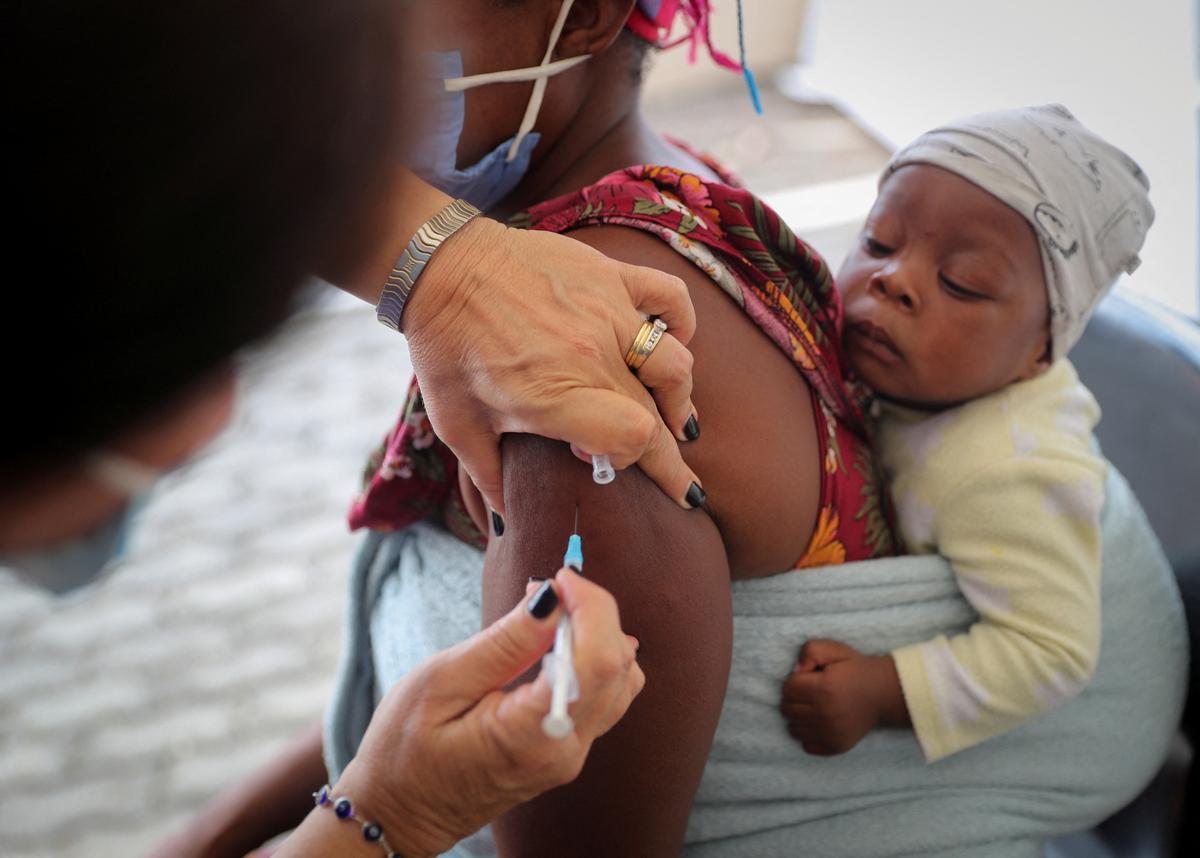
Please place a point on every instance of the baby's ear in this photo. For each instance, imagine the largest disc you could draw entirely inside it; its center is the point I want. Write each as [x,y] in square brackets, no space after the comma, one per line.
[1042,362]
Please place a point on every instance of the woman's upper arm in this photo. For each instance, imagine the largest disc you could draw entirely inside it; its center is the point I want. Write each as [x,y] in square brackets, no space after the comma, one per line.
[667,569]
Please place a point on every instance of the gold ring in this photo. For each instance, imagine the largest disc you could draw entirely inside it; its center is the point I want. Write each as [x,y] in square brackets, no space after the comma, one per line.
[648,337]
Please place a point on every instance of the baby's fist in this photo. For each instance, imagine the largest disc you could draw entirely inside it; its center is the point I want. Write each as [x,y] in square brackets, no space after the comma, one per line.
[836,695]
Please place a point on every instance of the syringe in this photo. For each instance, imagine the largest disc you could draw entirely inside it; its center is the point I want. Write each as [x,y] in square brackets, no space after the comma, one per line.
[602,472]
[559,664]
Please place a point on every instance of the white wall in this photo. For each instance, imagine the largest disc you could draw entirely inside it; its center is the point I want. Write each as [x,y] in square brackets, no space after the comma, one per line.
[1126,68]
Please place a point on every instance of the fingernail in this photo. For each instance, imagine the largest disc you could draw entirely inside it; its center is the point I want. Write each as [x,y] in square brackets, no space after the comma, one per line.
[696,497]
[544,601]
[691,429]
[497,523]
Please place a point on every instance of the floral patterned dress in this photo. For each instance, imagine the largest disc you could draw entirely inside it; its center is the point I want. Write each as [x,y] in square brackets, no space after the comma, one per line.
[777,279]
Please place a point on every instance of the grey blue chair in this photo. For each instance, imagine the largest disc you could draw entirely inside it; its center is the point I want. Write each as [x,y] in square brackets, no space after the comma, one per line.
[1142,362]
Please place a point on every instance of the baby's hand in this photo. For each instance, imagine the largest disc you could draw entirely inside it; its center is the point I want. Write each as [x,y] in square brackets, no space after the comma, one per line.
[836,695]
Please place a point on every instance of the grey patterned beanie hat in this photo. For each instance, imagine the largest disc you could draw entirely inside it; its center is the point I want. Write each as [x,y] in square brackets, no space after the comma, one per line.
[1086,200]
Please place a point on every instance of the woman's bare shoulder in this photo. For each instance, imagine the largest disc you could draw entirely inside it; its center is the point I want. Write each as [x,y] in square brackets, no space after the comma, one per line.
[757,455]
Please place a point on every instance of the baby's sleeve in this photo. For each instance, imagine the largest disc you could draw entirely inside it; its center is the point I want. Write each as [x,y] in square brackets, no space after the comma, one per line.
[1023,537]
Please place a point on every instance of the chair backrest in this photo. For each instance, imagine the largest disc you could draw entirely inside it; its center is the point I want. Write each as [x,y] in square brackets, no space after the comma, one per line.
[1143,365]
[1142,362]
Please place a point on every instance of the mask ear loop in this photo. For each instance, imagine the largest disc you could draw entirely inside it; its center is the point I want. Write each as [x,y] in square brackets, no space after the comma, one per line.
[458,84]
[539,86]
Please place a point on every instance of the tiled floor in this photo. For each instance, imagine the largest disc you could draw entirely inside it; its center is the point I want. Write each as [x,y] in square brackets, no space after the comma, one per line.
[124,709]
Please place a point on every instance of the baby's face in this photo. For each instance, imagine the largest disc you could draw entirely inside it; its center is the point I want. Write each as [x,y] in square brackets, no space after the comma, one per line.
[944,293]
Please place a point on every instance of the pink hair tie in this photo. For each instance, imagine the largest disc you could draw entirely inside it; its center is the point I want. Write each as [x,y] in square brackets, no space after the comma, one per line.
[653,20]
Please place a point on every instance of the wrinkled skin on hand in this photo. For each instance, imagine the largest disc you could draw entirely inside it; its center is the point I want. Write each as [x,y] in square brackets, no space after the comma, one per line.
[526,332]
[448,750]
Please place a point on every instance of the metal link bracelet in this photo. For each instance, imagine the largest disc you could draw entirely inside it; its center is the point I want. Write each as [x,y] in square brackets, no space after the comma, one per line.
[418,251]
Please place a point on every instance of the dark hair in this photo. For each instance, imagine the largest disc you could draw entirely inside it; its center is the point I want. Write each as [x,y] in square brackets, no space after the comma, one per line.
[641,54]
[180,168]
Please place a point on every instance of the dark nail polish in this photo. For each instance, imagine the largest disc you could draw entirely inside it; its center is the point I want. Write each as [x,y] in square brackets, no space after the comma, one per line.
[497,523]
[542,603]
[696,497]
[536,579]
[691,429]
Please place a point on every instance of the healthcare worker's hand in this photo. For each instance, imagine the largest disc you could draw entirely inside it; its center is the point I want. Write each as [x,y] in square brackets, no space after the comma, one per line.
[448,750]
[519,331]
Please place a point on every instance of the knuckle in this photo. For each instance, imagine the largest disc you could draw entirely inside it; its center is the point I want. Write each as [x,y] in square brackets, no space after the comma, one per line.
[683,362]
[665,442]
[607,668]
[432,673]
[502,641]
[628,659]
[489,487]
[640,431]
[677,288]
[637,680]
[453,436]
[546,760]
[606,600]
[606,604]
[568,766]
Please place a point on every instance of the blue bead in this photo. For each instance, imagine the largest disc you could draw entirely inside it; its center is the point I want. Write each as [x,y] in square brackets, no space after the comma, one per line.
[322,796]
[372,833]
[343,809]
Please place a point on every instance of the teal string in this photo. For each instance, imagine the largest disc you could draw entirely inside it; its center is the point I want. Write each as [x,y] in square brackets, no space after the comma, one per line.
[751,84]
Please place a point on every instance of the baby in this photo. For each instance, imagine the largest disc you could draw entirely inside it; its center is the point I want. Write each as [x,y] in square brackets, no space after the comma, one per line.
[990,244]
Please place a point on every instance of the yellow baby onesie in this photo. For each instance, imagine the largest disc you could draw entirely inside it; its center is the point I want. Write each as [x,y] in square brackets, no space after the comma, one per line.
[1009,489]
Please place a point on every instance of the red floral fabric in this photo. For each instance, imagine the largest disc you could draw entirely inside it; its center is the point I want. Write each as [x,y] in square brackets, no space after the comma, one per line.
[777,279]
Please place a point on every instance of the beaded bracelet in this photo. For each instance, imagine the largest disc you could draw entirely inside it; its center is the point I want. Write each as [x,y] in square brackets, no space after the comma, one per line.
[372,832]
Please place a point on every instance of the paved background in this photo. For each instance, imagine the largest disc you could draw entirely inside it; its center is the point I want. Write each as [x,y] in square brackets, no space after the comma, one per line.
[124,709]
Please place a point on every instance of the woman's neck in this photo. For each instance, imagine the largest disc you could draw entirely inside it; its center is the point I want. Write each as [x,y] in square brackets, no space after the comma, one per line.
[607,132]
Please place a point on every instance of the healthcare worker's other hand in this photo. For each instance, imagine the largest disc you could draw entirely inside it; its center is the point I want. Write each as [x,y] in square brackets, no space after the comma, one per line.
[521,331]
[448,750]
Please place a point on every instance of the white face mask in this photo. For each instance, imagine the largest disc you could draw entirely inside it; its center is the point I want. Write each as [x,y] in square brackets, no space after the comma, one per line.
[492,178]
[75,563]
